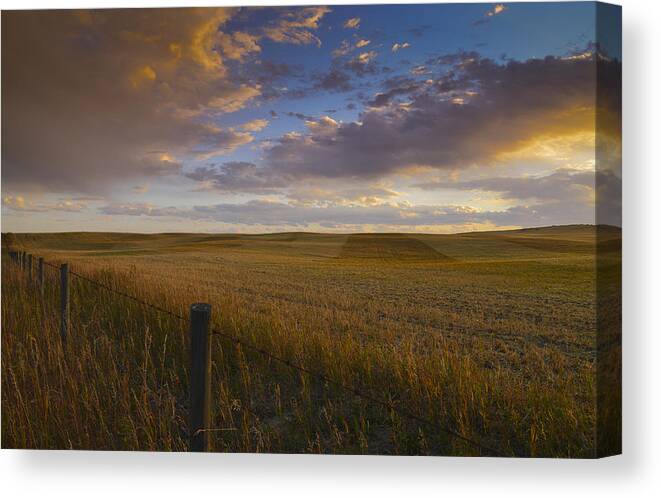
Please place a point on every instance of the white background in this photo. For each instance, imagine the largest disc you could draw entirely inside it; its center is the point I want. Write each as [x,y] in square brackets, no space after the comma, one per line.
[636,473]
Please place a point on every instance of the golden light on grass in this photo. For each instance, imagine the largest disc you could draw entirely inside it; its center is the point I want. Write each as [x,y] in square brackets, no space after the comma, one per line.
[491,335]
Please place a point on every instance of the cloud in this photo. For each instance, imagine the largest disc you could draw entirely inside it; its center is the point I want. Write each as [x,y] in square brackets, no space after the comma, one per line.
[338,77]
[233,99]
[237,45]
[138,209]
[237,176]
[344,48]
[497,9]
[347,47]
[300,115]
[255,125]
[381,216]
[224,142]
[14,202]
[419,70]
[362,64]
[399,46]
[268,70]
[322,126]
[561,185]
[268,76]
[394,87]
[141,189]
[159,164]
[366,57]
[478,112]
[91,93]
[68,205]
[353,23]
[19,203]
[335,80]
[371,195]
[296,26]
[494,11]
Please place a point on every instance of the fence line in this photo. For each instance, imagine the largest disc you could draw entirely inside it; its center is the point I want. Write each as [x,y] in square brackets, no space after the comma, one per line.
[200,318]
[387,404]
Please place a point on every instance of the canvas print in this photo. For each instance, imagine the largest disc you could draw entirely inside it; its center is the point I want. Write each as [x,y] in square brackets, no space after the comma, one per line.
[357,229]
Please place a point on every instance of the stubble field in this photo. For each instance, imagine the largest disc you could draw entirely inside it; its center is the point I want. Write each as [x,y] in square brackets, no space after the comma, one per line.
[490,335]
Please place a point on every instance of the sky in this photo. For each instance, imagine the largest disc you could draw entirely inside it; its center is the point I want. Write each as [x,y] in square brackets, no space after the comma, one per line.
[376,118]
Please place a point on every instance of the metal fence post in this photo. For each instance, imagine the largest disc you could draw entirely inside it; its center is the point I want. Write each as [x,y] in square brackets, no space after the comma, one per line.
[64,302]
[40,275]
[200,376]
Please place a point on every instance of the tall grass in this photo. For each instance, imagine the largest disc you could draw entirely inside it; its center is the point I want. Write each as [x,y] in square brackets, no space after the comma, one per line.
[121,381]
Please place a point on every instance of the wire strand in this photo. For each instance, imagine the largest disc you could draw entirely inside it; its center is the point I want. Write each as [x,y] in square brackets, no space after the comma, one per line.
[368,397]
[128,296]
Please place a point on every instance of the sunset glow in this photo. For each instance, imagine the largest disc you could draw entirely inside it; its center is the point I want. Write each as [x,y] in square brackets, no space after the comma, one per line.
[433,118]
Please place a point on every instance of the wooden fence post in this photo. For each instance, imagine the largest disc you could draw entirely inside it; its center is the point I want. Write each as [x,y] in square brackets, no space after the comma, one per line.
[64,302]
[200,376]
[40,275]
[30,267]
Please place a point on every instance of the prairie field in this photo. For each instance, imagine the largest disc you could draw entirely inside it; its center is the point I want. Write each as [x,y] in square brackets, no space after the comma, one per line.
[491,335]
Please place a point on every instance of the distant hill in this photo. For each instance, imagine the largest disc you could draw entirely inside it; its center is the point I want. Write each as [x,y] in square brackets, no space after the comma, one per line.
[395,247]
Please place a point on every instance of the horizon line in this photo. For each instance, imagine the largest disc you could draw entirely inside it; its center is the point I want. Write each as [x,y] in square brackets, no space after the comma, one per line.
[596,225]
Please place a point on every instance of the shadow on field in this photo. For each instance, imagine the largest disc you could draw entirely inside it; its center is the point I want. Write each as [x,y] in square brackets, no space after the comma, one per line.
[396,247]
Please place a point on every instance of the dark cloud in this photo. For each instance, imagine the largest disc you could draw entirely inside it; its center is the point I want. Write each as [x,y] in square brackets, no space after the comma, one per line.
[399,85]
[343,70]
[562,184]
[237,176]
[270,70]
[362,64]
[334,80]
[476,112]
[272,77]
[300,115]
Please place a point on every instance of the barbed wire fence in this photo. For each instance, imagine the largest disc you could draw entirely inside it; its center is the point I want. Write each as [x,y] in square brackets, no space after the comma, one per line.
[201,333]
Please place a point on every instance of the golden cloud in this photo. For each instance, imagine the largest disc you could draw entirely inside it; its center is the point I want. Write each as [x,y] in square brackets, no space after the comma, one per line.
[353,23]
[255,125]
[98,90]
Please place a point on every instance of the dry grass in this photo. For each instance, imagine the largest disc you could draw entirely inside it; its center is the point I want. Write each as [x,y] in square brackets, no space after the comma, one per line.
[489,336]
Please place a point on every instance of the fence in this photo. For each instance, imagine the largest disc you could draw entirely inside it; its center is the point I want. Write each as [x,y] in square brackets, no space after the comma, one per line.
[201,333]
